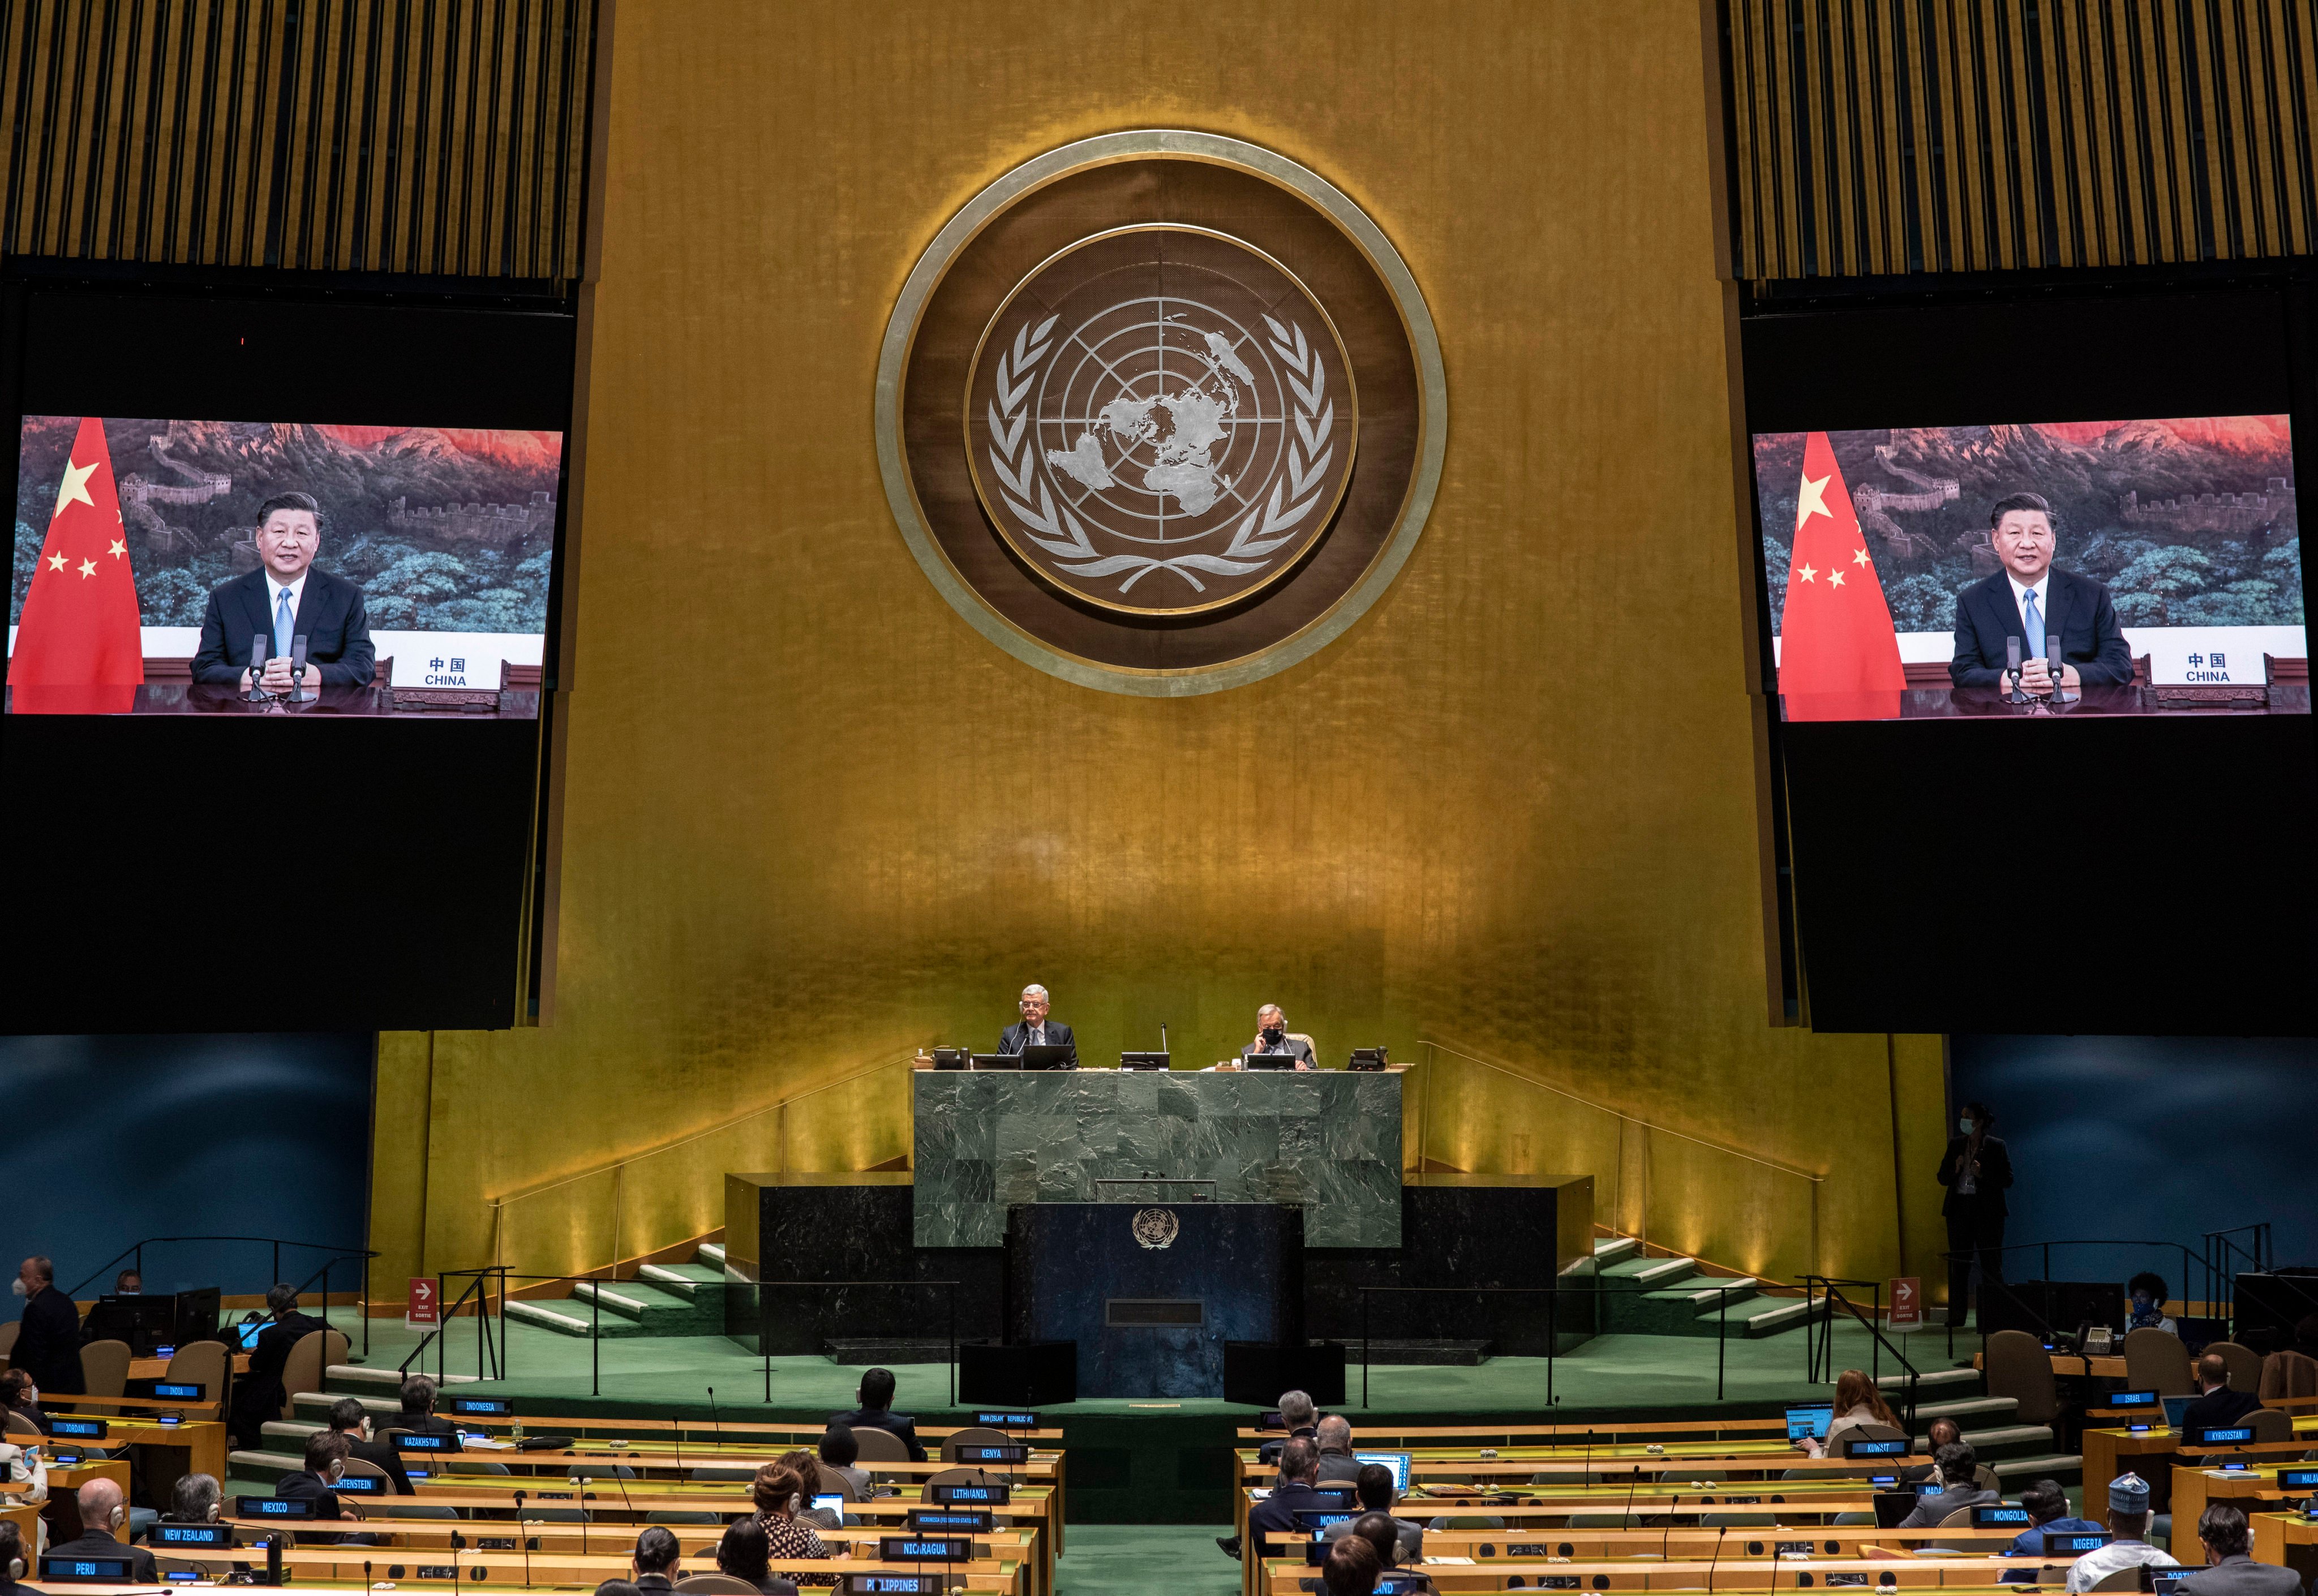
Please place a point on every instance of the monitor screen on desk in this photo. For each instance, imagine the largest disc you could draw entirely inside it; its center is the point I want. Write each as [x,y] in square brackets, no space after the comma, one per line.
[1810,1420]
[1886,554]
[1396,1461]
[2175,1409]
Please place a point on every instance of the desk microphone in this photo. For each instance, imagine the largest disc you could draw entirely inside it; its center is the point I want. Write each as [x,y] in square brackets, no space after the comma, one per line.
[297,664]
[1719,1534]
[715,1424]
[2054,661]
[256,665]
[526,1539]
[1163,1035]
[1625,1514]
[1667,1531]
[678,1425]
[2012,665]
[1778,1550]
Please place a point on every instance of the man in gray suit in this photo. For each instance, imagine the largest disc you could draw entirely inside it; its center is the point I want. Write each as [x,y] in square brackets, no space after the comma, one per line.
[1958,1469]
[1337,1463]
[2229,1570]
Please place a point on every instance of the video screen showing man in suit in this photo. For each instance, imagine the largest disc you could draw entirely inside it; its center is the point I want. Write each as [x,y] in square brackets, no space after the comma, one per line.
[2033,570]
[2031,602]
[285,599]
[164,565]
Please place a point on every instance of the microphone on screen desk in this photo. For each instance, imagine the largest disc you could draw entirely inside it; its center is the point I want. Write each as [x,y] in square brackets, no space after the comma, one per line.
[2055,663]
[297,665]
[2012,667]
[257,695]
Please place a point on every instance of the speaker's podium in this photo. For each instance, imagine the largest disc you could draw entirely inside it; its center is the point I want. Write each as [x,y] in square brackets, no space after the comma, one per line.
[1152,1292]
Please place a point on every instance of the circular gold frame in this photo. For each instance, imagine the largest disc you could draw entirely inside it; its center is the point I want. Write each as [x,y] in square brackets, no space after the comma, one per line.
[1363,234]
[1004,523]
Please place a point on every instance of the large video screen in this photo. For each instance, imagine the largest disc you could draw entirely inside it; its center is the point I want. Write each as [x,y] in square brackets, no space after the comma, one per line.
[2085,567]
[188,566]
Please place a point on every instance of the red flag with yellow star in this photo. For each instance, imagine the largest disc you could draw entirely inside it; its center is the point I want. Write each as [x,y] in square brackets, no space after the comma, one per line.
[78,650]
[1838,653]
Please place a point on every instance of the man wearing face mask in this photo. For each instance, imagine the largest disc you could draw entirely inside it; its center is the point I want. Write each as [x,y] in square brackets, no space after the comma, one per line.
[48,1343]
[1976,1172]
[1274,1048]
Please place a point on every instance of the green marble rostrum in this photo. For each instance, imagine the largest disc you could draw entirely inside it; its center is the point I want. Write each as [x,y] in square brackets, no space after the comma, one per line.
[1328,1139]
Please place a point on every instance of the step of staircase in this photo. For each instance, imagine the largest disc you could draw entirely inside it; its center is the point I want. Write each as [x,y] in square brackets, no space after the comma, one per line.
[2018,1472]
[685,1280]
[1651,1272]
[569,1316]
[1435,1354]
[1935,1381]
[711,1253]
[1966,1410]
[1610,1249]
[1767,1317]
[350,1379]
[316,1406]
[641,1303]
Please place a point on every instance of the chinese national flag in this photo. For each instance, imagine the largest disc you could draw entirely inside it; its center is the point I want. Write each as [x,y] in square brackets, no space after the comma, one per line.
[78,652]
[1838,655]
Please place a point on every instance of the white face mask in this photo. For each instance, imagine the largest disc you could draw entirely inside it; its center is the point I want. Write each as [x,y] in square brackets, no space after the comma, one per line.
[20,1286]
[1963,1125]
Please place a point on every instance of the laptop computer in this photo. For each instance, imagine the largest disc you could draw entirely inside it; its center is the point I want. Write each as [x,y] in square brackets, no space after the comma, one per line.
[1396,1461]
[1810,1419]
[2175,1407]
[1046,1058]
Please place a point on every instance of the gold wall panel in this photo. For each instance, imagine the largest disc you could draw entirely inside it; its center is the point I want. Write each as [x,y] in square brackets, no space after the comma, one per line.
[1512,810]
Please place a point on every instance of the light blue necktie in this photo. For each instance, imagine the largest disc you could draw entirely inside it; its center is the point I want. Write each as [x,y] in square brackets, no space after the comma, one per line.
[282,622]
[2035,619]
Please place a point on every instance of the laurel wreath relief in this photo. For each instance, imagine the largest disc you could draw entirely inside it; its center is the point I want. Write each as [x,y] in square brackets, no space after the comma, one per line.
[1014,456]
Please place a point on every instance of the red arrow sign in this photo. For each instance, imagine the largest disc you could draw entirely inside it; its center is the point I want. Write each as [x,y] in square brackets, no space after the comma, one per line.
[421,1307]
[1907,1303]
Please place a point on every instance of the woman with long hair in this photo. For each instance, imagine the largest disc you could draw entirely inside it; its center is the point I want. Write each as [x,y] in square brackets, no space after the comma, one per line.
[778,1492]
[1858,1401]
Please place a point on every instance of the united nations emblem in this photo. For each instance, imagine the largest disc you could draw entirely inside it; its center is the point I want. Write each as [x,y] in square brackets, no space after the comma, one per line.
[1161,420]
[1201,421]
[1157,1227]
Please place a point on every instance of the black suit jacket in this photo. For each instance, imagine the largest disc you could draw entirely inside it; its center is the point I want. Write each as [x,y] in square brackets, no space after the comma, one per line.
[2218,1409]
[1995,1176]
[96,1543]
[384,1456]
[421,1424]
[48,1343]
[1276,1514]
[904,1425]
[2077,607]
[1058,1034]
[331,618]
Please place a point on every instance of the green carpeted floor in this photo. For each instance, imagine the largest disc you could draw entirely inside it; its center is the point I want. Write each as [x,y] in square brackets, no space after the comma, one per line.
[1182,1559]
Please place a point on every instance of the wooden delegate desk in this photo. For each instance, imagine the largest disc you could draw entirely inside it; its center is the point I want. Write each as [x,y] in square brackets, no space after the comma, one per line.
[719,1433]
[1283,1577]
[1547,1509]
[158,1368]
[2076,1364]
[2153,1456]
[421,1538]
[2288,1541]
[613,1504]
[1371,1437]
[472,1567]
[65,1480]
[1600,1545]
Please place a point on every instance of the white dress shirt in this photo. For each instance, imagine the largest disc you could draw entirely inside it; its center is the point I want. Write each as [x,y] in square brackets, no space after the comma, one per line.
[2095,1567]
[273,592]
[2019,592]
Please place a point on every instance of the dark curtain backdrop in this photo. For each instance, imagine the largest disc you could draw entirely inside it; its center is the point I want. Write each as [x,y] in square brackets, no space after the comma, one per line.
[2156,1138]
[113,1139]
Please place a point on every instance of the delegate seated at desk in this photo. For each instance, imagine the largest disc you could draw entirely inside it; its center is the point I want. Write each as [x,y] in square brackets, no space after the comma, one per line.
[1274,1048]
[1035,1029]
[2028,599]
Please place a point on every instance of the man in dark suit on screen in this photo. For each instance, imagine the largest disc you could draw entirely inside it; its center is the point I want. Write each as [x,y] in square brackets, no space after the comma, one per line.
[2031,601]
[1036,1030]
[286,598]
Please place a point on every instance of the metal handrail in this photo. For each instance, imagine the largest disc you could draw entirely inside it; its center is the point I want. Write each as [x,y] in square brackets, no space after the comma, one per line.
[1553,1296]
[337,1254]
[499,1206]
[1813,1347]
[1813,1182]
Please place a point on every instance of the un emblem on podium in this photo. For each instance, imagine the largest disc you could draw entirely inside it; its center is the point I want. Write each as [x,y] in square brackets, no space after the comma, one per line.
[1155,1228]
[1161,412]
